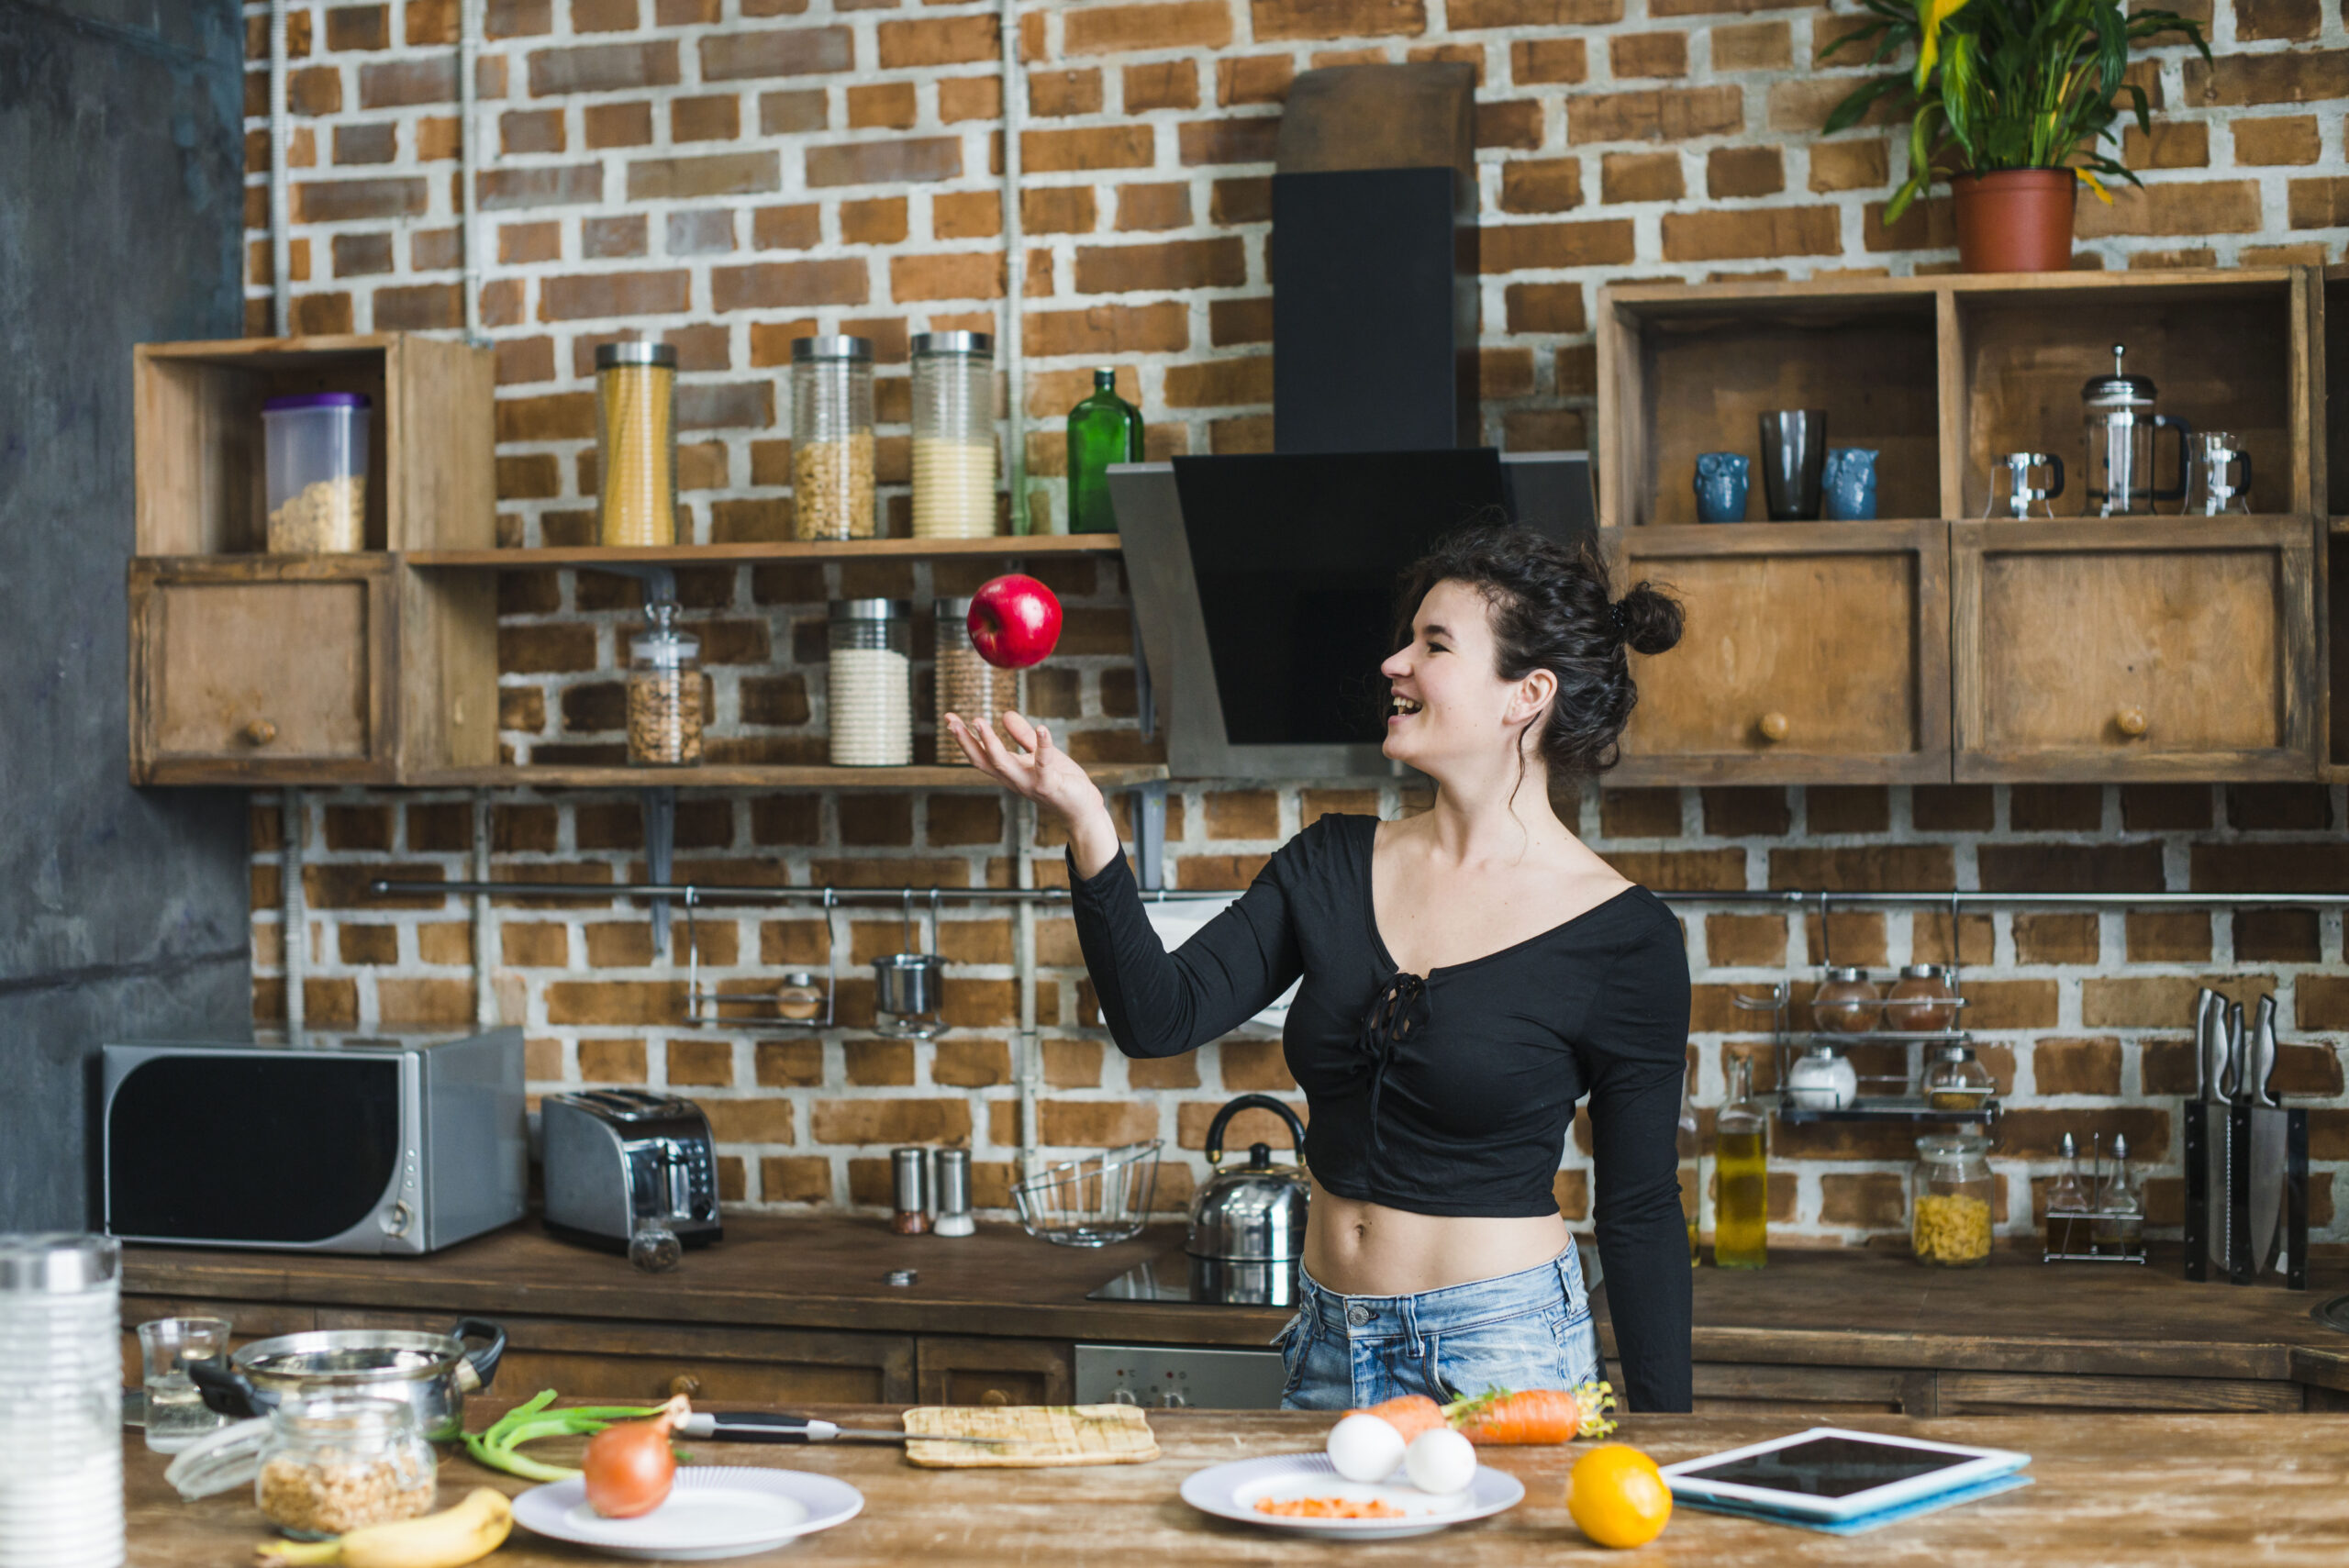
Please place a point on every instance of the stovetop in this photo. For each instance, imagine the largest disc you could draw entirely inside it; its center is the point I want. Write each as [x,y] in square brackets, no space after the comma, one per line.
[1180,1278]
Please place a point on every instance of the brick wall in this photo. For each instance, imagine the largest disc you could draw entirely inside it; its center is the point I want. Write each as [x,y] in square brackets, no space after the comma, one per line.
[729,174]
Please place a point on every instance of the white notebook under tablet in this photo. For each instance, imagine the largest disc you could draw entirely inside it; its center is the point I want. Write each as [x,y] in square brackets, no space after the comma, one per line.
[1830,1473]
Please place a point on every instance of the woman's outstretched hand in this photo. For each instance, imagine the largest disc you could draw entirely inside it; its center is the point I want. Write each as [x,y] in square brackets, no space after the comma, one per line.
[1044,773]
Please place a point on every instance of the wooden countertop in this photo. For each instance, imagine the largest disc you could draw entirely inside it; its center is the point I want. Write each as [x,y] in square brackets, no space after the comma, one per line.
[1848,1308]
[2129,1491]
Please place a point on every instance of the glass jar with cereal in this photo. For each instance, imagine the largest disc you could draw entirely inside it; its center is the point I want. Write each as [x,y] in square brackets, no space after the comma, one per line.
[1951,1194]
[337,1463]
[832,437]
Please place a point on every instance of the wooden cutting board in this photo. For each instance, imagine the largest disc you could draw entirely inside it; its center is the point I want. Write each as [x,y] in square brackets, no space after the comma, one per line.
[1040,1435]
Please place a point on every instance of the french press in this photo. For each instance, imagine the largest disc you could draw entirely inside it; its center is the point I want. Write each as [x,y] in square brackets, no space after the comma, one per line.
[2120,428]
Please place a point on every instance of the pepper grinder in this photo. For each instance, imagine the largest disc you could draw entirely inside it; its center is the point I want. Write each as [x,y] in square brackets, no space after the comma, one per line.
[909,1180]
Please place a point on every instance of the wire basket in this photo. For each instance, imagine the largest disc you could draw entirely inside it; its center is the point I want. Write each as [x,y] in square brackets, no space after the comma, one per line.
[1091,1201]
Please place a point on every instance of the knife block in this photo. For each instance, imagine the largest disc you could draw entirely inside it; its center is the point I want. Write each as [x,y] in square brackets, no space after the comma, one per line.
[2227,1209]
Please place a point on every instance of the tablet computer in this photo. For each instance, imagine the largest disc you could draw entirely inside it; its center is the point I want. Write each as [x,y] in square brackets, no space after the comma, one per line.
[1827,1472]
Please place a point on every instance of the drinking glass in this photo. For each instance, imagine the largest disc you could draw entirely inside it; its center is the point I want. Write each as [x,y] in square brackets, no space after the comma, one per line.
[1794,462]
[176,1413]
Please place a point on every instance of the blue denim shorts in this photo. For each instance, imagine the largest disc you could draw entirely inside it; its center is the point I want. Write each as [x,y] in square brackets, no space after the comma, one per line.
[1529,1330]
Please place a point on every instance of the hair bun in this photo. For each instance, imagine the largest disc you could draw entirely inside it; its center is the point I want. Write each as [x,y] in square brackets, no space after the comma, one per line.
[1651,620]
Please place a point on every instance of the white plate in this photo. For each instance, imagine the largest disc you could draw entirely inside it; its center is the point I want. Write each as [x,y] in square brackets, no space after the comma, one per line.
[1232,1491]
[713,1511]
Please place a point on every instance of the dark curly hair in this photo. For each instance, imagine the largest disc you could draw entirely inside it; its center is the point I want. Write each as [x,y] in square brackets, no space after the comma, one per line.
[1552,610]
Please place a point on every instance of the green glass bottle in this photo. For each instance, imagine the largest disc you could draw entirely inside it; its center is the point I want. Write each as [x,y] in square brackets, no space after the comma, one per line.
[1102,429]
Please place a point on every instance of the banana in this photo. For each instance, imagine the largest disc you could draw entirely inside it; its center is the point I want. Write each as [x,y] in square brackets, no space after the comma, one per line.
[470,1531]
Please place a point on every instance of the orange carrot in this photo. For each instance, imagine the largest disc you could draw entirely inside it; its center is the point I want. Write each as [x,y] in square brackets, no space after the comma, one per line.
[1410,1415]
[1535,1416]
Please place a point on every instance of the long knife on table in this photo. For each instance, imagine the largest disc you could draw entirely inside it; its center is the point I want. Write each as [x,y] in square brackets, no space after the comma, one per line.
[767,1427]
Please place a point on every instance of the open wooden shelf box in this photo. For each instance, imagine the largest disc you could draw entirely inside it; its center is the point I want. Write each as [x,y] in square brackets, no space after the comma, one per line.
[1934,645]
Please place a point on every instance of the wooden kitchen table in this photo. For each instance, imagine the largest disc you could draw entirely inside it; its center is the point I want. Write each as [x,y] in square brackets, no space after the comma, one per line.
[2138,1491]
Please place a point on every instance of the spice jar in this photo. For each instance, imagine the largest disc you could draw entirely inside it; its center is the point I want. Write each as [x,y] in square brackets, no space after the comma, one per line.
[1955,1081]
[1846,1004]
[635,443]
[1912,1005]
[967,686]
[664,699]
[800,999]
[339,1464]
[953,420]
[1821,1080]
[871,685]
[1950,1198]
[315,449]
[832,437]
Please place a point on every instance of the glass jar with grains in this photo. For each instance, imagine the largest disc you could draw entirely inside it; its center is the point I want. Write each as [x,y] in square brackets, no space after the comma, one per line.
[832,437]
[869,683]
[967,686]
[1951,1195]
[953,422]
[664,695]
[636,444]
[335,1464]
[1846,1003]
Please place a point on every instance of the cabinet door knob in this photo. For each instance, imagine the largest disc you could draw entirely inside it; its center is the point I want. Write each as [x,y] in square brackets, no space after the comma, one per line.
[260,732]
[1773,726]
[2130,721]
[687,1383]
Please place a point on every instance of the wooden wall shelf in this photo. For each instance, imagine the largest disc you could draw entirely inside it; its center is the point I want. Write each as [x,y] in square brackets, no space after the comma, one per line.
[746,775]
[544,557]
[1955,648]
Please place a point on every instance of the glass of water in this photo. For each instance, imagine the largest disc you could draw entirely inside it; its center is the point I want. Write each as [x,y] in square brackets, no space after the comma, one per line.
[176,1413]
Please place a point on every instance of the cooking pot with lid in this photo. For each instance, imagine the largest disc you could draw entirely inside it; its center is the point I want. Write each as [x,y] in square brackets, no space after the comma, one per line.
[431,1374]
[1256,1212]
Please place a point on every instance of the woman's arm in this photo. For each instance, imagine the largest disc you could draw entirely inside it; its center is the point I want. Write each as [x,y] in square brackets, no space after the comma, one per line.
[1162,1004]
[1639,1040]
[1155,1003]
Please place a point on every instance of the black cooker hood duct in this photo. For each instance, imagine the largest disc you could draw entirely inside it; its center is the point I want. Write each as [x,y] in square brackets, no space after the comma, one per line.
[1263,582]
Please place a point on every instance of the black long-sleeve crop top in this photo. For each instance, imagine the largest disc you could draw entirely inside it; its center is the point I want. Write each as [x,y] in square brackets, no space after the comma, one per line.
[1451,1092]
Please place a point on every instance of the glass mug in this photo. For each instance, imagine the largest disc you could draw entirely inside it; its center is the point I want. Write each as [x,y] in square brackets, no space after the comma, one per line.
[2219,475]
[2012,494]
[176,1413]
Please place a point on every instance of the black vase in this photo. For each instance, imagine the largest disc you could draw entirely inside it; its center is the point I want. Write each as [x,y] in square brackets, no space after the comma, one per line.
[1794,460]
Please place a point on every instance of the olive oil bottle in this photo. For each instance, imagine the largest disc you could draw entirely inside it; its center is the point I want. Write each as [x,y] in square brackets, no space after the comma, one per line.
[1691,1150]
[1740,1164]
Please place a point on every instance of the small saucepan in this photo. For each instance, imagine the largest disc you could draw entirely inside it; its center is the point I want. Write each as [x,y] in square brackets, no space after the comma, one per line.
[431,1373]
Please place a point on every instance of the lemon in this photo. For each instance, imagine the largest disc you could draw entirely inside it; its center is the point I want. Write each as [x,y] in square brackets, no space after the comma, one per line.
[1618,1497]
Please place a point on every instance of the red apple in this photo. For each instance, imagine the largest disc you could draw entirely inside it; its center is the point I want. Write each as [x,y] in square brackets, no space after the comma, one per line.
[1015,621]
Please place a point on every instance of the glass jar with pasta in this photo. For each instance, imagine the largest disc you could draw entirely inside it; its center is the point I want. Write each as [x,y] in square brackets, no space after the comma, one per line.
[832,437]
[636,446]
[1951,1196]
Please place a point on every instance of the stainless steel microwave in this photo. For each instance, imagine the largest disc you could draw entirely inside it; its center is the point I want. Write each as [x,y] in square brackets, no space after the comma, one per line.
[329,1144]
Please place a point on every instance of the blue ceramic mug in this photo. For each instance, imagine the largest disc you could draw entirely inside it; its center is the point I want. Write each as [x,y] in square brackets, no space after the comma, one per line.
[1851,484]
[1721,482]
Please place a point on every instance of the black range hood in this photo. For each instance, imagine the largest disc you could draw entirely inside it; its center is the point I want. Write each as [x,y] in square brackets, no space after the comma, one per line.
[1263,583]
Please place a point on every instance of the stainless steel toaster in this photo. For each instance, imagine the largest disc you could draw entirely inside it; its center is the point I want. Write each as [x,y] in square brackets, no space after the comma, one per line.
[617,1156]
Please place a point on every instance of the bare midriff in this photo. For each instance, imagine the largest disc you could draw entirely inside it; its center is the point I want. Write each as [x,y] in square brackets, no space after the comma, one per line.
[1366,1248]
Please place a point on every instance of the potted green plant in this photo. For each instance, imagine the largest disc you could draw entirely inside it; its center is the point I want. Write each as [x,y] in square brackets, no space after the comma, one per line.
[2012,100]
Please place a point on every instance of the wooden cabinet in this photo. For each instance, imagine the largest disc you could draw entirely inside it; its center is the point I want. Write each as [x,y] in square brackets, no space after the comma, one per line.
[271,669]
[1809,652]
[1835,1393]
[995,1372]
[2180,648]
[1941,645]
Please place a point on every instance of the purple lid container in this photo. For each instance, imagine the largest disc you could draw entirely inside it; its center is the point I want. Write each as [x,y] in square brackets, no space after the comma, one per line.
[315,400]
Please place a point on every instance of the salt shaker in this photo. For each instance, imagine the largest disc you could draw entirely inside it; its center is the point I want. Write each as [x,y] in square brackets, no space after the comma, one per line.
[950,1193]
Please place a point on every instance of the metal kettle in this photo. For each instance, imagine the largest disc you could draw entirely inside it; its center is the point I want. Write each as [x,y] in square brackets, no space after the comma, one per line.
[1254,1213]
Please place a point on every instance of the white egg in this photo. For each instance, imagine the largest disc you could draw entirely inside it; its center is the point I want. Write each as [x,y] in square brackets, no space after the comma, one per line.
[1366,1448]
[1440,1460]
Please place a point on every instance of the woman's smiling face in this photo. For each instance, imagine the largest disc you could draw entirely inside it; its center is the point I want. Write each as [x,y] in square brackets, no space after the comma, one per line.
[1447,700]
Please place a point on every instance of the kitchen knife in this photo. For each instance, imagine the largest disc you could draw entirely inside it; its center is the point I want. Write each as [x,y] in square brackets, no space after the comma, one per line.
[2231,1087]
[2268,1125]
[767,1427]
[2259,1054]
[2209,1008]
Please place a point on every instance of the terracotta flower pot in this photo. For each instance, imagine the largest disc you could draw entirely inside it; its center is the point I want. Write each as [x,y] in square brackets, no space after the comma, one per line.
[2015,220]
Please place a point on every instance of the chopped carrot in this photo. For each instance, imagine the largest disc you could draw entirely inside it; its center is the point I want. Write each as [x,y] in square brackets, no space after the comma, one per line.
[1328,1508]
[1410,1415]
[1535,1416]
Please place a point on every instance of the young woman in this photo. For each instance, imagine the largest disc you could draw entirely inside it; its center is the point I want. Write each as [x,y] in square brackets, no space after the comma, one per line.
[1470,973]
